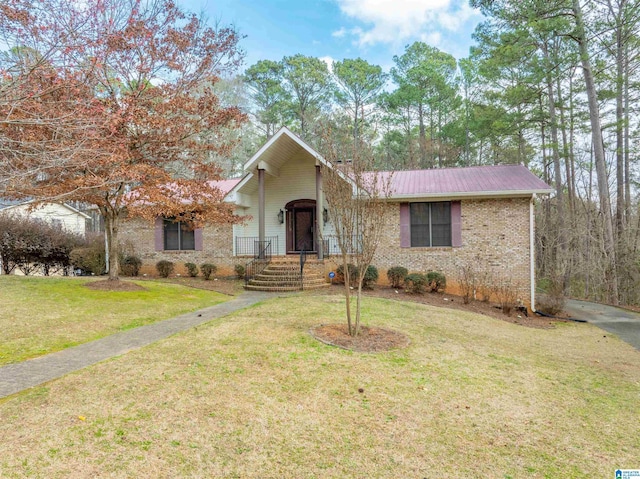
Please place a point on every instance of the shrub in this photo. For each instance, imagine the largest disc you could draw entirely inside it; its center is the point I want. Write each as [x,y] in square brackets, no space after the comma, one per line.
[240,271]
[467,282]
[370,277]
[353,274]
[436,281]
[550,304]
[90,259]
[192,269]
[487,285]
[396,276]
[553,300]
[208,269]
[56,249]
[31,244]
[164,268]
[507,293]
[415,283]
[130,265]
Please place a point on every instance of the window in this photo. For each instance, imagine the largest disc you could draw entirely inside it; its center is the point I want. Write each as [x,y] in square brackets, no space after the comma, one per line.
[430,224]
[178,236]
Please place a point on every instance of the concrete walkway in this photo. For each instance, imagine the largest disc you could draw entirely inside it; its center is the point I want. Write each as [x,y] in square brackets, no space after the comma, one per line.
[623,323]
[33,372]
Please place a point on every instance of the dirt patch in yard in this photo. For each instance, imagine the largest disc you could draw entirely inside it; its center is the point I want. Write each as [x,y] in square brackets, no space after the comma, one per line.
[369,340]
[120,285]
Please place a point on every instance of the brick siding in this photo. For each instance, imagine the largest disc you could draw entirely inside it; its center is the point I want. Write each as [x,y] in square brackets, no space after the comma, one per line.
[495,239]
[138,237]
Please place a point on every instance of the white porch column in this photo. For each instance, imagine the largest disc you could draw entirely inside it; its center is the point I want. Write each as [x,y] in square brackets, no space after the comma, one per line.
[319,216]
[261,235]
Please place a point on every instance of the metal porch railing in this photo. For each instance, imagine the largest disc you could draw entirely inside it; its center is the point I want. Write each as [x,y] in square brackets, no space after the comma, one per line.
[261,259]
[246,245]
[332,247]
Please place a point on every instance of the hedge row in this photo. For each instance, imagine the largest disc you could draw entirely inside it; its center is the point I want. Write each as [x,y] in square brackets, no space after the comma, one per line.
[31,245]
[416,283]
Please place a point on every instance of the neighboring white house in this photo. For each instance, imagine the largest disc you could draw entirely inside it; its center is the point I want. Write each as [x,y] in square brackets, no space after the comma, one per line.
[69,218]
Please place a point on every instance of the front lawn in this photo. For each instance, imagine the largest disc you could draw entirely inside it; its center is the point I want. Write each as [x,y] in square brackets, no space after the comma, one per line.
[41,315]
[252,395]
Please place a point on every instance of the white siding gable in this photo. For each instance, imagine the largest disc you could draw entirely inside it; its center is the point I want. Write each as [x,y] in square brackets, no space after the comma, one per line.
[53,213]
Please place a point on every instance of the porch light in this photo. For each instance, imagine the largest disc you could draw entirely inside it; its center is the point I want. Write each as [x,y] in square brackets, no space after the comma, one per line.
[281,216]
[325,216]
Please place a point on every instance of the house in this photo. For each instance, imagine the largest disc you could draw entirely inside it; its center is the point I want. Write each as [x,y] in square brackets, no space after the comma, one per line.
[442,219]
[57,214]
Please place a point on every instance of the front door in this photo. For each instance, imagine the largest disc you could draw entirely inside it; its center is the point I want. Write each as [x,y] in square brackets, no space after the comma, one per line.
[301,218]
[303,229]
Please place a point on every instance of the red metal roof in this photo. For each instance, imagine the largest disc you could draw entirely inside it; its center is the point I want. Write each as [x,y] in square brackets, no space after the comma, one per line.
[225,185]
[500,179]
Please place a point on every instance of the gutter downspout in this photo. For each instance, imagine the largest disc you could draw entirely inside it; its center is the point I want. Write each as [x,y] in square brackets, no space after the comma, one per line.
[532,252]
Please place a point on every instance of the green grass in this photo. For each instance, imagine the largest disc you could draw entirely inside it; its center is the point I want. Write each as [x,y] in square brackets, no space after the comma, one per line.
[253,395]
[43,315]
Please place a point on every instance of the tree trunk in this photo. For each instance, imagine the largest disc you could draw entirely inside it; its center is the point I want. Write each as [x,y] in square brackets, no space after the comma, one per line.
[549,252]
[565,153]
[303,126]
[423,137]
[571,157]
[627,173]
[407,127]
[467,132]
[111,225]
[559,264]
[598,149]
[347,291]
[355,124]
[620,193]
[358,308]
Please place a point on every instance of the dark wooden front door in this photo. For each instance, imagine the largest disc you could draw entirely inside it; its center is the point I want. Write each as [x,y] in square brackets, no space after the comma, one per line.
[303,229]
[301,218]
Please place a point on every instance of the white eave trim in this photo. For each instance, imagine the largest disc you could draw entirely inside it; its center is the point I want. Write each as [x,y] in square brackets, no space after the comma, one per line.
[254,163]
[76,210]
[472,195]
[239,185]
[249,165]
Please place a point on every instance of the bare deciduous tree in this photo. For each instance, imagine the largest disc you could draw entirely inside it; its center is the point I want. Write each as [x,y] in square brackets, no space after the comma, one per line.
[356,195]
[133,81]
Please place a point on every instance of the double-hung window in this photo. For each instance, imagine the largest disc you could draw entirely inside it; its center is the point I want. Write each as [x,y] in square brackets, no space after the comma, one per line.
[178,236]
[430,223]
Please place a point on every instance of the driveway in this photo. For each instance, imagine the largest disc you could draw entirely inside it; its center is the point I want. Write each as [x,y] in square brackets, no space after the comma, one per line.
[624,324]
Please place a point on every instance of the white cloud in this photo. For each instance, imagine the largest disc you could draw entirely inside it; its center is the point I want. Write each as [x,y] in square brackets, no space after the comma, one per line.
[329,61]
[394,21]
[431,38]
[339,33]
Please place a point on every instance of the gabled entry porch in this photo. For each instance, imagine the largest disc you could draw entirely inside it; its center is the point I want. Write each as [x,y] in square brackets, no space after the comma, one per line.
[282,197]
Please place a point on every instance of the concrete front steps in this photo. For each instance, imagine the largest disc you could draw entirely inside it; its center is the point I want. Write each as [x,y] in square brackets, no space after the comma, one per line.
[282,275]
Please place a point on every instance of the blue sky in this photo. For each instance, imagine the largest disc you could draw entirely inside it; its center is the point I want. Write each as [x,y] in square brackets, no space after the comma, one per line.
[375,30]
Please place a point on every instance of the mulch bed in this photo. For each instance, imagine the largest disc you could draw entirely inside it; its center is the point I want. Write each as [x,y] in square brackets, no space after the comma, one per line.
[369,339]
[120,285]
[451,301]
